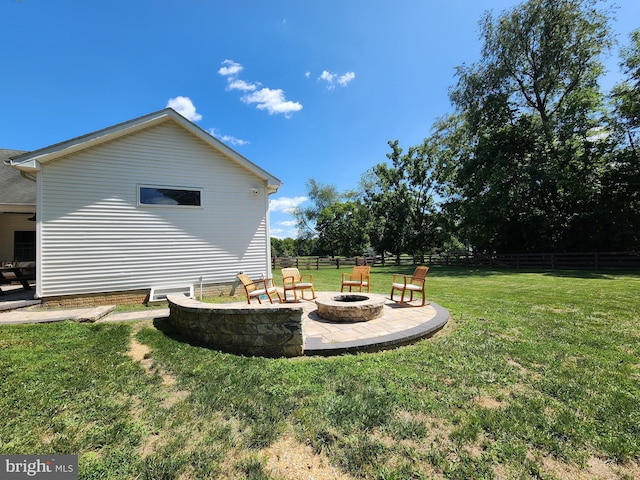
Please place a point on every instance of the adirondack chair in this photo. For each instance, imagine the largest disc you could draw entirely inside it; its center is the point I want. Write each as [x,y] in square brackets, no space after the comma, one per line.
[257,288]
[410,283]
[292,280]
[359,277]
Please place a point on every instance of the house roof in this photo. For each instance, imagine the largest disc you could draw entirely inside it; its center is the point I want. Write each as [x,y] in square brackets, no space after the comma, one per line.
[17,194]
[30,161]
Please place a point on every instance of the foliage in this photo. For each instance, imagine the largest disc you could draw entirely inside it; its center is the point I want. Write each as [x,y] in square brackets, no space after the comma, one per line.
[626,95]
[335,223]
[342,229]
[401,201]
[289,247]
[320,196]
[534,175]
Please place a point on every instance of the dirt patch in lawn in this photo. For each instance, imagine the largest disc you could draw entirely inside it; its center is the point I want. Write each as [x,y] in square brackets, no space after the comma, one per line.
[290,459]
[141,353]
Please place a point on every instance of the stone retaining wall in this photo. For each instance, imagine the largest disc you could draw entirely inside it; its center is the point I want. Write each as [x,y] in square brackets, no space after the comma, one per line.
[265,330]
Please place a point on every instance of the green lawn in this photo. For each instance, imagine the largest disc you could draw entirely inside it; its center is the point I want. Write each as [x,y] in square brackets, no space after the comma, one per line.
[537,376]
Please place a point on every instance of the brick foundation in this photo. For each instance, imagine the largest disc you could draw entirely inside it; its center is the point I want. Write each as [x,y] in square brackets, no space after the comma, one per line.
[127,297]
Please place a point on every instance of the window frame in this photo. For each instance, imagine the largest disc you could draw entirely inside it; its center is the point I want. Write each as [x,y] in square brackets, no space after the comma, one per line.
[140,186]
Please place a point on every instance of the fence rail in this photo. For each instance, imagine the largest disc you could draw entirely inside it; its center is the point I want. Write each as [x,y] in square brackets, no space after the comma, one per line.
[595,261]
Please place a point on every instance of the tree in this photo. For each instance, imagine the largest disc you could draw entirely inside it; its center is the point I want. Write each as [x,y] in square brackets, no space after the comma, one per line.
[626,95]
[282,247]
[621,211]
[321,196]
[342,229]
[401,201]
[532,175]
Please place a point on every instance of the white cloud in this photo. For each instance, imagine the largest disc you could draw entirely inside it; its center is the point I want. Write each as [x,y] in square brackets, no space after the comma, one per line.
[235,84]
[185,107]
[285,204]
[230,68]
[277,233]
[332,78]
[271,100]
[288,223]
[327,76]
[228,138]
[284,229]
[344,80]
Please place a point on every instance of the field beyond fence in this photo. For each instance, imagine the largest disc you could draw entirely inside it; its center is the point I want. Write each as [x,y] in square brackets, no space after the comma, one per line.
[594,261]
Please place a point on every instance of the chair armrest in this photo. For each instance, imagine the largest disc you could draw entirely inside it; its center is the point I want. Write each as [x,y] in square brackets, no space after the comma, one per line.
[288,280]
[307,275]
[401,275]
[262,281]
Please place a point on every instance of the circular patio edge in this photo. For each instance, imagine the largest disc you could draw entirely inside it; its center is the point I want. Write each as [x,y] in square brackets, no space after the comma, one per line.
[432,324]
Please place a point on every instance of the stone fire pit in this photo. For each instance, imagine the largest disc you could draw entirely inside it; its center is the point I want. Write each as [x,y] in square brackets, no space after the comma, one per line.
[350,307]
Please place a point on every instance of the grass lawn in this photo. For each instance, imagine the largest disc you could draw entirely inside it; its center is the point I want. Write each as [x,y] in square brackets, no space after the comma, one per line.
[537,376]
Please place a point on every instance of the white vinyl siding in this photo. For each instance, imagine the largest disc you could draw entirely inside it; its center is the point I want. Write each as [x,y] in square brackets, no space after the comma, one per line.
[96,238]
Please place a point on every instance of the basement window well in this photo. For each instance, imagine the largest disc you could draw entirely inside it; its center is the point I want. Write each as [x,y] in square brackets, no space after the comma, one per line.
[169,196]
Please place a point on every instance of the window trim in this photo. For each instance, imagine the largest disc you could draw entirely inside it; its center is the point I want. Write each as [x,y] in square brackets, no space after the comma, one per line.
[140,186]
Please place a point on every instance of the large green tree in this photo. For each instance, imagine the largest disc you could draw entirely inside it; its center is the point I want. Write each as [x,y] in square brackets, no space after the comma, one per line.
[342,229]
[401,201]
[626,95]
[621,211]
[320,196]
[531,173]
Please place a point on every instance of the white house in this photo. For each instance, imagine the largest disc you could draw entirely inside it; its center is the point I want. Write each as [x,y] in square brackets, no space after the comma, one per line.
[152,203]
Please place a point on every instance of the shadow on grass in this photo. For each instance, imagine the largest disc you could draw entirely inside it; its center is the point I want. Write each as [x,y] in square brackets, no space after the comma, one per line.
[163,325]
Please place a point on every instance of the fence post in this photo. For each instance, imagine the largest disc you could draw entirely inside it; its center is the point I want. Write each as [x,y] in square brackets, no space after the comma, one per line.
[297,262]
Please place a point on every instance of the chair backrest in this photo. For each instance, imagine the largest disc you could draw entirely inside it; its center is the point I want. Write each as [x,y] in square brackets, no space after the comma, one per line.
[247,282]
[291,272]
[420,273]
[360,273]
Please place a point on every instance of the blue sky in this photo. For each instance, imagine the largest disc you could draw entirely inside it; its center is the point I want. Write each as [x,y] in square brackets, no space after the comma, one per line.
[303,89]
